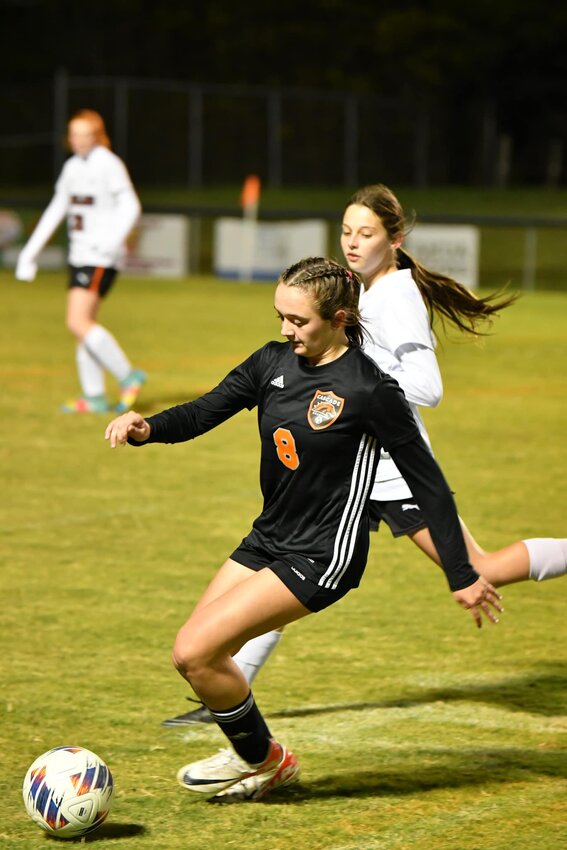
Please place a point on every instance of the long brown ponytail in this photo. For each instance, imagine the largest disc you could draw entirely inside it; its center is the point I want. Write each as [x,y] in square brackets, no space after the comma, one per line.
[444,297]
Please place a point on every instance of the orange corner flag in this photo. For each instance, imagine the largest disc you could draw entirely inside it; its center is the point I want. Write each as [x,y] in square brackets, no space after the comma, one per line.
[250,196]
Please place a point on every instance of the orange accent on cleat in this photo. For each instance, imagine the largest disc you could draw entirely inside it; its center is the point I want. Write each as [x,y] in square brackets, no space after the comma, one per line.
[226,770]
[254,788]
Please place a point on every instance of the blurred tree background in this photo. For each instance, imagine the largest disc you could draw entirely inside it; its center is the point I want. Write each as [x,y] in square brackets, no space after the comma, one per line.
[476,73]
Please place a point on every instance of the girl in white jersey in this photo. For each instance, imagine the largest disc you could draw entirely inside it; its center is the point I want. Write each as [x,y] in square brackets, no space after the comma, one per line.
[96,194]
[398,302]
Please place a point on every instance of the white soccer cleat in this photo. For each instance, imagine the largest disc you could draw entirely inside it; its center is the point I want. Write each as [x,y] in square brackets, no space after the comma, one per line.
[226,769]
[254,788]
[215,773]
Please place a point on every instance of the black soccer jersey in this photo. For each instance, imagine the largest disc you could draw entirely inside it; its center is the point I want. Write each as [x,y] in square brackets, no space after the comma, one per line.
[321,430]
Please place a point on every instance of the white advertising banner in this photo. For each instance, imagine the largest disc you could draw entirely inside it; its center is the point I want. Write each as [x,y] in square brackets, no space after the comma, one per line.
[451,249]
[52,258]
[158,246]
[251,250]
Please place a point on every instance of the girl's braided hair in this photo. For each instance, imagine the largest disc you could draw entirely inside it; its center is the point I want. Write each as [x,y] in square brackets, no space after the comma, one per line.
[333,288]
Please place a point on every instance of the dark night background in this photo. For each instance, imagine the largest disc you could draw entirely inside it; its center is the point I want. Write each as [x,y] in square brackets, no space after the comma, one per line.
[463,66]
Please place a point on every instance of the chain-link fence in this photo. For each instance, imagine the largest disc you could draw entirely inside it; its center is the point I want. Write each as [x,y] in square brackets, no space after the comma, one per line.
[176,133]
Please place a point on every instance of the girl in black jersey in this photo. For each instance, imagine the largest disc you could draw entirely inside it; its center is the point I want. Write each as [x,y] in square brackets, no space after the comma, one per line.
[324,412]
[400,300]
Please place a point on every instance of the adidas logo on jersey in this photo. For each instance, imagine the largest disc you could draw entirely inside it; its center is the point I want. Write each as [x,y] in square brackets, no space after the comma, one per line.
[278,382]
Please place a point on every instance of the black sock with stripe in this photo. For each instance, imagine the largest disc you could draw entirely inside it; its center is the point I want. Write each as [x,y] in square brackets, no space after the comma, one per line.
[246,730]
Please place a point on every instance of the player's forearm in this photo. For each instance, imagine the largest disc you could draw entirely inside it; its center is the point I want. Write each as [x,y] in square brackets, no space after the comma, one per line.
[431,491]
[126,214]
[47,225]
[187,421]
[419,377]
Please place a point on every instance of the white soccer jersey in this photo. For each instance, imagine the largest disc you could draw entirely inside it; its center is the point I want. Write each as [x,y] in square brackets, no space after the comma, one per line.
[402,344]
[96,194]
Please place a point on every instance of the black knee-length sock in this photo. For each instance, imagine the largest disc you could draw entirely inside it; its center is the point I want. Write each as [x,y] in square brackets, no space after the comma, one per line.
[246,729]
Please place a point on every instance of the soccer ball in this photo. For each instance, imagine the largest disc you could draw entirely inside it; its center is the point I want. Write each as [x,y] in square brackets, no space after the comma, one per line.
[68,791]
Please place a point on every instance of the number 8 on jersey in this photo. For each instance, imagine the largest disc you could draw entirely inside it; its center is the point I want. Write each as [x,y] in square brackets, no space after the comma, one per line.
[285,445]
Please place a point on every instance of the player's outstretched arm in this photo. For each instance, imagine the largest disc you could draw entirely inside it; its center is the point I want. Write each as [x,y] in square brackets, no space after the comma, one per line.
[130,424]
[52,217]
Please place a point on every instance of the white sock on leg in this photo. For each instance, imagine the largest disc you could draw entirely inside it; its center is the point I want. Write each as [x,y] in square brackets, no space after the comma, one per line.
[91,374]
[254,654]
[104,348]
[548,557]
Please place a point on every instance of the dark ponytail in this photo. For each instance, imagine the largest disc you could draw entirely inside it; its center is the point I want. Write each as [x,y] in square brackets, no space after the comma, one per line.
[444,297]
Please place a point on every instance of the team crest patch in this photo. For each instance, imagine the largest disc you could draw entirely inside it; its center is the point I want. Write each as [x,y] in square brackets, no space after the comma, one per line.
[324,409]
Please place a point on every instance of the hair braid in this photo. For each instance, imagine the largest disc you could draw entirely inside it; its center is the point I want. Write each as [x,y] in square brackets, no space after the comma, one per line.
[333,287]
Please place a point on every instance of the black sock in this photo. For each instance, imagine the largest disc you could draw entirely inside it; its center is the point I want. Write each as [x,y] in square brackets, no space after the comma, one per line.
[246,729]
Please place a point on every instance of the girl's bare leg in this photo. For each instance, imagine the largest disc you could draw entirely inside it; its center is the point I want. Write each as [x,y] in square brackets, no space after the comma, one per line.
[82,309]
[238,605]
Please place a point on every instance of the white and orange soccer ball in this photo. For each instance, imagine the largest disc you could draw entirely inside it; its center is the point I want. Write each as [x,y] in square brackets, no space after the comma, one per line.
[68,791]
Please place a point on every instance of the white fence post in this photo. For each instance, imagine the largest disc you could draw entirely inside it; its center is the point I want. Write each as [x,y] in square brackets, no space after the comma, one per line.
[530,258]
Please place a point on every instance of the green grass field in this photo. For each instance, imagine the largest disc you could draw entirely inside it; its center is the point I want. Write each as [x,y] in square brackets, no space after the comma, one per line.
[414,730]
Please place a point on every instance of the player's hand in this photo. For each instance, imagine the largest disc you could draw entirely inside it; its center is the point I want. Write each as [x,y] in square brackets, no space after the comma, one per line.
[25,269]
[130,424]
[481,599]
